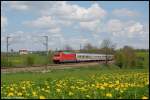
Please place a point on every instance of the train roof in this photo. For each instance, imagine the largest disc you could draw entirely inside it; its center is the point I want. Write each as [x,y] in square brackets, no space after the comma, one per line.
[90,54]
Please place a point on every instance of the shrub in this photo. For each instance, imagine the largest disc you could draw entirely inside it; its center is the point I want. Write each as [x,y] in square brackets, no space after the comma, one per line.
[30,60]
[140,62]
[5,63]
[119,59]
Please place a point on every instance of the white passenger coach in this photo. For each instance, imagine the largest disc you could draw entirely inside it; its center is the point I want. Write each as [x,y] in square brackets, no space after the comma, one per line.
[92,57]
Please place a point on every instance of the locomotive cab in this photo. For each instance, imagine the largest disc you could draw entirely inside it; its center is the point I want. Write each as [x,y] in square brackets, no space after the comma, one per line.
[64,57]
[56,57]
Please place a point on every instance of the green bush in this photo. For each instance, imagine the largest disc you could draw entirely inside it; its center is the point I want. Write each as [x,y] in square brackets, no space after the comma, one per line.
[30,60]
[5,63]
[119,59]
[140,62]
[126,58]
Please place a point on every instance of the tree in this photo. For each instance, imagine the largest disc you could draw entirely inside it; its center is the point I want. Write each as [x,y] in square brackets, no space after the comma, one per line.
[88,46]
[129,56]
[107,47]
[119,59]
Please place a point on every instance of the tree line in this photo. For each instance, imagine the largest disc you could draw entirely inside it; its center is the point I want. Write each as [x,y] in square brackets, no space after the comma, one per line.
[124,57]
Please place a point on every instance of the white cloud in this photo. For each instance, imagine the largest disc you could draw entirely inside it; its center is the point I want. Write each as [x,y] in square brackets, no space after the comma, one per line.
[61,9]
[59,14]
[66,11]
[125,29]
[137,27]
[91,26]
[3,22]
[125,12]
[3,39]
[114,25]
[56,30]
[56,35]
[17,5]
[42,22]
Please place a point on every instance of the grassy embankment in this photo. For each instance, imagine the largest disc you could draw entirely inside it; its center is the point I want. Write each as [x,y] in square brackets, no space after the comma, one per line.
[94,82]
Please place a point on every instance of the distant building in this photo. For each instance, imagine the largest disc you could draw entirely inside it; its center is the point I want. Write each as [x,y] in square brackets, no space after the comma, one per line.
[23,51]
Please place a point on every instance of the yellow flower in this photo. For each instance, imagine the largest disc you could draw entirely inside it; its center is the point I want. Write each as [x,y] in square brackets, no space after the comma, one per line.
[105,84]
[117,81]
[109,95]
[10,94]
[19,94]
[48,87]
[58,90]
[72,87]
[93,85]
[47,91]
[102,88]
[24,88]
[11,89]
[43,89]
[144,97]
[116,88]
[121,91]
[42,97]
[110,85]
[70,93]
[34,93]
[87,96]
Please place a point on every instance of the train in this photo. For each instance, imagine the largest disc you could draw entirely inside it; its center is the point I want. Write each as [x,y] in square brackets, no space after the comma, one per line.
[65,57]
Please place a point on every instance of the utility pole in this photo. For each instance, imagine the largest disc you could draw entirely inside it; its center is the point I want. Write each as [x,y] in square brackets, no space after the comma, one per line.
[80,46]
[7,44]
[46,44]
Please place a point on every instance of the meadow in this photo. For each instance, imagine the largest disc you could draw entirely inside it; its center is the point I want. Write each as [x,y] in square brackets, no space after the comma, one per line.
[94,82]
[15,60]
[41,59]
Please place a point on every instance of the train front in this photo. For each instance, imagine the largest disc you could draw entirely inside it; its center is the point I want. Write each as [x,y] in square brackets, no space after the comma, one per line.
[56,57]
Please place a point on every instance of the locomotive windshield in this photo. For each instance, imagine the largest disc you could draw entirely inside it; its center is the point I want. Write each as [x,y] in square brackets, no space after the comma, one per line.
[57,54]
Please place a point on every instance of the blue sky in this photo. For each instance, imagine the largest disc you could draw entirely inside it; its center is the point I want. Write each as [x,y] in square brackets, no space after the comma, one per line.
[74,23]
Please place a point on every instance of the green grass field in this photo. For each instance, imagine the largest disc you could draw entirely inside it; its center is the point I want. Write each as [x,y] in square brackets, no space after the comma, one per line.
[145,55]
[95,82]
[21,60]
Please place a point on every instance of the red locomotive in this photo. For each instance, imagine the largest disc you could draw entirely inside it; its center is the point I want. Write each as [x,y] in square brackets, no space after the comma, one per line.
[62,57]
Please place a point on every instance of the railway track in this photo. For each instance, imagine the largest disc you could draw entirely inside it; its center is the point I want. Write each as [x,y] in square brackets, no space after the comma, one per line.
[43,68]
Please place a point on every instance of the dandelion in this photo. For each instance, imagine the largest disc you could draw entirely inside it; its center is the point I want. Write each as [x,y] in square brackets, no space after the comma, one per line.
[93,85]
[72,87]
[70,93]
[102,88]
[19,94]
[10,94]
[42,97]
[121,91]
[144,97]
[24,88]
[48,87]
[47,91]
[87,96]
[117,82]
[43,89]
[58,90]
[34,93]
[11,89]
[110,86]
[109,95]
[116,88]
